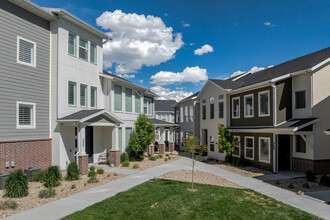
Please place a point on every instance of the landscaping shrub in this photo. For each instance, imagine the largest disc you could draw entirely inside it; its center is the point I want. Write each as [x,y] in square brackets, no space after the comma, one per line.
[100,171]
[39,176]
[92,180]
[125,164]
[229,158]
[8,204]
[115,174]
[53,177]
[290,185]
[47,193]
[167,155]
[325,180]
[16,185]
[160,156]
[305,184]
[310,176]
[123,157]
[73,186]
[153,158]
[73,172]
[166,159]
[91,173]
[135,166]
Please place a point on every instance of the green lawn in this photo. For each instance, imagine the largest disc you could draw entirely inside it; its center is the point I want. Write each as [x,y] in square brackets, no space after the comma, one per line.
[165,199]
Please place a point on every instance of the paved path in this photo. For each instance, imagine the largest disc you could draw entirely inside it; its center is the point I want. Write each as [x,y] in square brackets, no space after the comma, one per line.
[79,201]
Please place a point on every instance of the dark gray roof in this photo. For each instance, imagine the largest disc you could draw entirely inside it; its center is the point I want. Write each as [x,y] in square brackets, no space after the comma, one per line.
[294,123]
[301,63]
[189,97]
[164,105]
[160,122]
[115,76]
[81,114]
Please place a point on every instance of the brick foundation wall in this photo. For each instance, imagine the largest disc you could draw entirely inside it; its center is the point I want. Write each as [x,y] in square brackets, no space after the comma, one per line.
[25,153]
[83,163]
[317,166]
[114,157]
[161,149]
[152,147]
[171,147]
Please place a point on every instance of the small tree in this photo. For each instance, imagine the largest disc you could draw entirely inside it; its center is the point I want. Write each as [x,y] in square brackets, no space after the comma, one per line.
[226,141]
[143,135]
[193,149]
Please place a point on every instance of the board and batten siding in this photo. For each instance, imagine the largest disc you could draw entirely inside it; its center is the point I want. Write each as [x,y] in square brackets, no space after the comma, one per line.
[19,82]
[283,100]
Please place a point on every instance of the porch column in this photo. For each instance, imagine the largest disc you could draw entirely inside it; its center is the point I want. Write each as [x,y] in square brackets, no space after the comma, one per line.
[82,156]
[114,153]
[161,141]
[171,141]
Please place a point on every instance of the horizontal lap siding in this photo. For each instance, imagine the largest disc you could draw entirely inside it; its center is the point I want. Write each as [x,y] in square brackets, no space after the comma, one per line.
[21,82]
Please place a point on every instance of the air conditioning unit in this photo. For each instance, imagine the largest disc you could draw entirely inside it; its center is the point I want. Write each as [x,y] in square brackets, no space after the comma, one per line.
[30,172]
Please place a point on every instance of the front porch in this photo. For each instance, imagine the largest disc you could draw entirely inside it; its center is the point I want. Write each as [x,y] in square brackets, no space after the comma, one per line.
[164,135]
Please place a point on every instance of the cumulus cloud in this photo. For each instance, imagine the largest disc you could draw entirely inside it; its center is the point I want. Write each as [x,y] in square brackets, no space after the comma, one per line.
[127,76]
[166,93]
[252,70]
[204,49]
[137,40]
[268,24]
[189,74]
[141,81]
[184,24]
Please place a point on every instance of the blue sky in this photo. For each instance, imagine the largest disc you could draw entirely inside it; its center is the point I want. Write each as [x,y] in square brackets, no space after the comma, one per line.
[243,34]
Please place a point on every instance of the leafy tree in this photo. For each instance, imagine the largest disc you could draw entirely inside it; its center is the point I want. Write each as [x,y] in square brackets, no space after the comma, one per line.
[226,141]
[193,149]
[143,135]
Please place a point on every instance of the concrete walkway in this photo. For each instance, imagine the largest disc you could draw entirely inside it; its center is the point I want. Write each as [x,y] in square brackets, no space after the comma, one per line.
[79,201]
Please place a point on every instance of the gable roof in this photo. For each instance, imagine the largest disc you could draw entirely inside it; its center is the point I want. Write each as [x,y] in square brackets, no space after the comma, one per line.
[188,98]
[85,115]
[164,105]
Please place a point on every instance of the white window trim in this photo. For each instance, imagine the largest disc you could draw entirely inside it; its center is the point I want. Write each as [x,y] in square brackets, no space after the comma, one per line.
[148,113]
[86,48]
[75,95]
[296,146]
[91,42]
[239,141]
[259,106]
[232,106]
[91,97]
[295,99]
[264,138]
[245,115]
[34,54]
[75,44]
[223,109]
[245,142]
[86,98]
[33,126]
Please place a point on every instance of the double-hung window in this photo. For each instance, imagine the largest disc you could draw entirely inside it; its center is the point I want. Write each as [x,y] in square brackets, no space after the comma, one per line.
[83,48]
[186,114]
[237,149]
[26,115]
[220,109]
[191,113]
[93,53]
[212,111]
[83,95]
[248,106]
[120,139]
[137,102]
[211,143]
[147,106]
[72,43]
[204,112]
[26,52]
[249,147]
[93,97]
[300,97]
[128,100]
[264,149]
[128,134]
[118,97]
[263,103]
[235,107]
[181,114]
[177,116]
[72,93]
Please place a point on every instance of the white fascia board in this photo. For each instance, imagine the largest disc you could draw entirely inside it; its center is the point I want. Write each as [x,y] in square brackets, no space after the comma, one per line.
[107,113]
[327,132]
[105,76]
[305,125]
[320,64]
[33,8]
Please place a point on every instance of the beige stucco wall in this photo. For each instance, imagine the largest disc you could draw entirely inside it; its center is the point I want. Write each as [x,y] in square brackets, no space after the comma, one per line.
[300,83]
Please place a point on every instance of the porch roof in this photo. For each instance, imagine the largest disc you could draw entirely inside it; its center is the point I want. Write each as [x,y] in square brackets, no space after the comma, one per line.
[87,115]
[161,123]
[327,132]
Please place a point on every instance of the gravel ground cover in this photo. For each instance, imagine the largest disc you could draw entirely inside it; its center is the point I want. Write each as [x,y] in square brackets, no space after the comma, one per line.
[199,177]
[64,190]
[298,185]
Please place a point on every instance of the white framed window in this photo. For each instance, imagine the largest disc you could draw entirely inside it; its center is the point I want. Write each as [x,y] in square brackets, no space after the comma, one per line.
[181,114]
[220,110]
[93,53]
[248,106]
[235,107]
[137,102]
[93,97]
[147,106]
[300,99]
[263,103]
[249,147]
[72,93]
[300,144]
[220,97]
[212,143]
[186,114]
[191,113]
[118,90]
[264,149]
[26,52]
[25,115]
[237,149]
[83,95]
[72,44]
[83,48]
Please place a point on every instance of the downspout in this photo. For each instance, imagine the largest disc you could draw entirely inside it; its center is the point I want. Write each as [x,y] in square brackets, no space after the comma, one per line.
[275,136]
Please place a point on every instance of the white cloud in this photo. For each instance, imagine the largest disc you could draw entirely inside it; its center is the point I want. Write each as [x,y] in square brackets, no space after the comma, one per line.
[252,70]
[189,74]
[137,40]
[184,24]
[166,93]
[127,76]
[204,49]
[267,23]
[192,44]
[141,81]
[166,14]
[237,73]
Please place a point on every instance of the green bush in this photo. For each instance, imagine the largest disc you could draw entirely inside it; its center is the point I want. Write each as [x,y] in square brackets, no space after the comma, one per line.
[325,180]
[135,166]
[47,193]
[92,180]
[166,159]
[100,171]
[53,177]
[132,159]
[73,172]
[125,164]
[39,176]
[123,157]
[167,155]
[160,156]
[310,176]
[91,173]
[153,158]
[8,204]
[16,185]
[73,186]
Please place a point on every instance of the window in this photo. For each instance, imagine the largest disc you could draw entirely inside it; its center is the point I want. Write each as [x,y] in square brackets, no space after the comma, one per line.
[264,150]
[93,97]
[204,101]
[128,135]
[120,139]
[26,52]
[118,98]
[211,143]
[128,100]
[235,107]
[181,114]
[72,45]
[300,99]
[191,113]
[248,106]
[300,144]
[72,93]
[137,102]
[220,109]
[83,95]
[204,112]
[186,114]
[220,97]
[83,48]
[147,106]
[264,103]
[211,111]
[177,116]
[249,147]
[26,115]
[93,53]
[237,149]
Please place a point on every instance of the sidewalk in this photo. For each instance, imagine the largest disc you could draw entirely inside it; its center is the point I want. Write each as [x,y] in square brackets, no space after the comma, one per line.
[79,201]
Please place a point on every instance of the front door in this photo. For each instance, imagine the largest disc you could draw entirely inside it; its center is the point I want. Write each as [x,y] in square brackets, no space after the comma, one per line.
[89,143]
[284,152]
[205,136]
